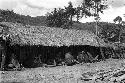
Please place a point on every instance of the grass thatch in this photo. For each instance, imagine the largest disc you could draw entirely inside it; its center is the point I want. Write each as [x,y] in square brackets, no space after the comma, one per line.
[46,36]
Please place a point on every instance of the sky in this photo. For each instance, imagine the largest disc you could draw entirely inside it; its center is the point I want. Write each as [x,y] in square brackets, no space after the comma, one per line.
[41,7]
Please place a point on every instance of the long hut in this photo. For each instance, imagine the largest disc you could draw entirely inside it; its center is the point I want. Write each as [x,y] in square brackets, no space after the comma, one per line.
[29,41]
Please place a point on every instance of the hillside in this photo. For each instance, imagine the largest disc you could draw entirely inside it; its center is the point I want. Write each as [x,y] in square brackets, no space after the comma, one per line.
[91,26]
[10,16]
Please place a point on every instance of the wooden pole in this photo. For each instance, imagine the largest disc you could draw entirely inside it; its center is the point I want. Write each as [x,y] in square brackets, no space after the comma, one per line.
[3,61]
[3,51]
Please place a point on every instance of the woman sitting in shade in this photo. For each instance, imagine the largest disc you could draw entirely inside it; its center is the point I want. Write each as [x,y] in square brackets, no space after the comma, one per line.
[69,59]
[14,64]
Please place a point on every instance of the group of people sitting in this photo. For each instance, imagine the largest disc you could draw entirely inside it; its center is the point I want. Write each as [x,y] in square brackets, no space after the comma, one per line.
[82,57]
[69,60]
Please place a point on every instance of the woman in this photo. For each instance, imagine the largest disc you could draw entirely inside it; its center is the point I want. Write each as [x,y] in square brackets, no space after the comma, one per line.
[69,59]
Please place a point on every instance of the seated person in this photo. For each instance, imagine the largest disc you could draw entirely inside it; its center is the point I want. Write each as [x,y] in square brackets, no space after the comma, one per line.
[14,64]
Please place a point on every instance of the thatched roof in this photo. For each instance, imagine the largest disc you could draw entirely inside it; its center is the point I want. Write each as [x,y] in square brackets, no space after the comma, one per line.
[46,36]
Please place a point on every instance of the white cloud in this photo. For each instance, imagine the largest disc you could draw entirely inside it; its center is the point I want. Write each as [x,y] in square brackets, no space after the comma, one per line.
[117,3]
[48,3]
[8,4]
[111,13]
[108,15]
[33,7]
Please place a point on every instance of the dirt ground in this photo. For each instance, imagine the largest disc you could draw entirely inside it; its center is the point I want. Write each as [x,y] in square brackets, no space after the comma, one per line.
[99,72]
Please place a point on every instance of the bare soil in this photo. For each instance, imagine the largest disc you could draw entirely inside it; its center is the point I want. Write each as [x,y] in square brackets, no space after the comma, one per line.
[99,72]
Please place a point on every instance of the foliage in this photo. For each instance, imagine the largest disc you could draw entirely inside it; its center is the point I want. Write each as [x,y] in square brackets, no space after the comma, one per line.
[78,13]
[64,17]
[108,31]
[120,24]
[95,5]
[10,16]
[118,19]
[70,12]
[56,18]
[61,17]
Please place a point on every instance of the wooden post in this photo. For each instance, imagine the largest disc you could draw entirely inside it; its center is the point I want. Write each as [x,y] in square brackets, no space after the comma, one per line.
[101,51]
[3,52]
[3,60]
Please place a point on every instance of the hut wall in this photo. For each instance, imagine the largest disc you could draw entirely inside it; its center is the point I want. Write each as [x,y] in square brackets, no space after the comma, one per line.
[25,54]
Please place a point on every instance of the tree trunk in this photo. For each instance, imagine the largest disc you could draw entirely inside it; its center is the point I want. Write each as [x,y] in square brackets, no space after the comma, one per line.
[77,17]
[120,35]
[71,20]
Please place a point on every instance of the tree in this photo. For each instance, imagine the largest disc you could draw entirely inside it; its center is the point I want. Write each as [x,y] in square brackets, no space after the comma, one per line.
[123,23]
[61,17]
[119,20]
[78,11]
[56,18]
[96,6]
[70,12]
